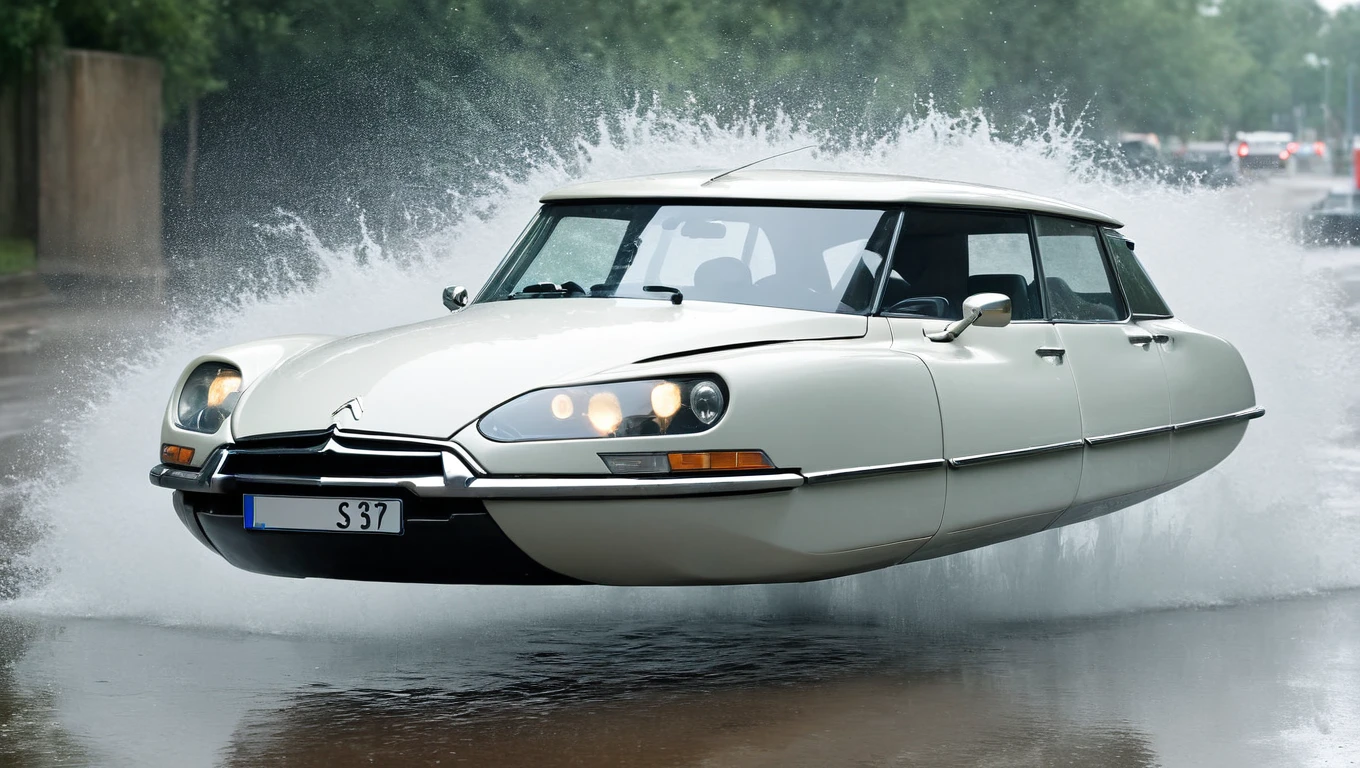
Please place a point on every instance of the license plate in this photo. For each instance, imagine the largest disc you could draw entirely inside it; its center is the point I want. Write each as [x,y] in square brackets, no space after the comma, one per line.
[299,513]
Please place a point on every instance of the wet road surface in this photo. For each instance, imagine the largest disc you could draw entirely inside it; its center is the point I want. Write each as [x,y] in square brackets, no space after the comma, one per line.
[1275,683]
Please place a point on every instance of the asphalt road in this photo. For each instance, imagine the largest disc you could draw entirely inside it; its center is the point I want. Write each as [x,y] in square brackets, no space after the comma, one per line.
[1273,683]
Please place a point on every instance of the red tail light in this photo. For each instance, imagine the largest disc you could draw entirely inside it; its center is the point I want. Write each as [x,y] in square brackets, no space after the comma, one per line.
[1319,148]
[1284,154]
[1242,150]
[1291,148]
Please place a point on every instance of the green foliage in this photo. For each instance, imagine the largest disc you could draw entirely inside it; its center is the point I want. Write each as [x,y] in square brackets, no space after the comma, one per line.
[26,26]
[15,256]
[1168,65]
[182,34]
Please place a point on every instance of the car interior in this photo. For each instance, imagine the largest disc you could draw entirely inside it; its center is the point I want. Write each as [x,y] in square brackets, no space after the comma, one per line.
[942,259]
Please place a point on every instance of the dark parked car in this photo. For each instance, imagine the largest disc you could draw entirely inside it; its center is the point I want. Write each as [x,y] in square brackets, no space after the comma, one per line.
[1334,220]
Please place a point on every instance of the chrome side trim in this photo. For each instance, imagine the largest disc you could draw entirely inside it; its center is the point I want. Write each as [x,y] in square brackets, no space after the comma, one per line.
[855,473]
[1021,453]
[464,478]
[1244,415]
[1133,434]
[627,487]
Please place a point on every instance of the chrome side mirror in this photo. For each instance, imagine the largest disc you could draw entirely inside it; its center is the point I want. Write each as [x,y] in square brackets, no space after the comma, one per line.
[455,297]
[988,310]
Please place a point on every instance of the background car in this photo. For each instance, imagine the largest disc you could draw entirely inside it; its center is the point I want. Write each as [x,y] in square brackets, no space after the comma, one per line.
[1335,219]
[1263,151]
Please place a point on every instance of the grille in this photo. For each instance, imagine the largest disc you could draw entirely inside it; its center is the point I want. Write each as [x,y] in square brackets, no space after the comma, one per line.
[328,464]
[305,456]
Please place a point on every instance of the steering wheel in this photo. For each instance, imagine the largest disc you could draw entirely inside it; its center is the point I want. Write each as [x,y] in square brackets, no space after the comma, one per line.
[927,306]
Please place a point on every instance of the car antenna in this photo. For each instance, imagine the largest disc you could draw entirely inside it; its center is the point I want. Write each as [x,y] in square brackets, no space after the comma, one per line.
[755,162]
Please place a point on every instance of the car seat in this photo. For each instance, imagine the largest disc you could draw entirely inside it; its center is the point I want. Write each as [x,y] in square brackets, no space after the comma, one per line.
[723,279]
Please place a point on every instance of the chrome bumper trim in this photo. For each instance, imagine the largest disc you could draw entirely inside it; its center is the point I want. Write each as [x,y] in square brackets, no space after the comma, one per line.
[459,481]
[498,487]
[628,487]
[1021,453]
[855,473]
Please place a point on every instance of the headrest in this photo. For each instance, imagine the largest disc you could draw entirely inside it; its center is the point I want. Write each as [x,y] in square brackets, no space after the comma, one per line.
[1012,285]
[723,279]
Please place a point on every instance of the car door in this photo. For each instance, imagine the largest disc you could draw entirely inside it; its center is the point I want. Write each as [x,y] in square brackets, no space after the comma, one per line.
[1008,402]
[1208,388]
[1114,358]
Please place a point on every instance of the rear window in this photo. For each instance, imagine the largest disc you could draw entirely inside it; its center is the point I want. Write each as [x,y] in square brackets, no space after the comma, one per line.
[1142,295]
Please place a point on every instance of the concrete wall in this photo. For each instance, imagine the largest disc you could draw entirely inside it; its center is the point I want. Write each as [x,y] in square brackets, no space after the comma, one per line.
[99,167]
[18,161]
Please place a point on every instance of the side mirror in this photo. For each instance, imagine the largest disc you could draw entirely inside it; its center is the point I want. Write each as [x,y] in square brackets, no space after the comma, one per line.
[988,310]
[456,297]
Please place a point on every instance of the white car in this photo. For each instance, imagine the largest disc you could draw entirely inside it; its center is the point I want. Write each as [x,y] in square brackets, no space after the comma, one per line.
[683,379]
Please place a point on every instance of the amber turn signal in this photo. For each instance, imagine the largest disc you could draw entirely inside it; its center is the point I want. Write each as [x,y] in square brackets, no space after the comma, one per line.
[176,454]
[719,460]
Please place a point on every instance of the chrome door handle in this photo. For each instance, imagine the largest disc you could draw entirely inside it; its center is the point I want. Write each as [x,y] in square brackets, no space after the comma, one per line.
[1161,338]
[1050,352]
[1141,339]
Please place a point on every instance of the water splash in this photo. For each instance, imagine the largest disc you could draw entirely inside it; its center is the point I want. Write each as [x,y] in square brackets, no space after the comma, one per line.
[1270,521]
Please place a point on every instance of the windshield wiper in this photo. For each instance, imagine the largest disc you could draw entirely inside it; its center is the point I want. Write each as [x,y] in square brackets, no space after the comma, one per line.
[542,290]
[676,295]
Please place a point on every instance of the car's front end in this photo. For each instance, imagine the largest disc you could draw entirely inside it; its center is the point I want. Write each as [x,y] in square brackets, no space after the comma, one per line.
[549,434]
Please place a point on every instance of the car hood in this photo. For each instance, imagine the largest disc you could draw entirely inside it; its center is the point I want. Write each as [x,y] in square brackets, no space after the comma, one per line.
[433,378]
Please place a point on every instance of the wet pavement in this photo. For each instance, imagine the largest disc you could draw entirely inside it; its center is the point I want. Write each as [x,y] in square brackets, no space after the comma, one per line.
[1272,683]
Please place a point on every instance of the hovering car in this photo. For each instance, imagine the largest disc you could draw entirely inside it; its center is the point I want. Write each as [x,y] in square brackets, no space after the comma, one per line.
[750,377]
[1335,219]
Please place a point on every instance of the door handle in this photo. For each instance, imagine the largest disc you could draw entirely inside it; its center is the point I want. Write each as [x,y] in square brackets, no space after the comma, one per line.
[1142,339]
[1057,352]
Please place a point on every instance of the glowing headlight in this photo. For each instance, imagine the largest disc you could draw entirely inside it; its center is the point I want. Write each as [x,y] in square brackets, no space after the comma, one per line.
[677,406]
[208,397]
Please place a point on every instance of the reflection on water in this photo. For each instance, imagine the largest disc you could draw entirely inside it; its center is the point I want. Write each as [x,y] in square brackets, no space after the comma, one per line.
[1265,684]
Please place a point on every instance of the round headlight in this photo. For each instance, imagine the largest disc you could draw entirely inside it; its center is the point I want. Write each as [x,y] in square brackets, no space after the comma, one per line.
[208,397]
[706,400]
[604,412]
[666,399]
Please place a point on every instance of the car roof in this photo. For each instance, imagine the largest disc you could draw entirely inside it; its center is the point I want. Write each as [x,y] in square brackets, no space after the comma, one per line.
[820,187]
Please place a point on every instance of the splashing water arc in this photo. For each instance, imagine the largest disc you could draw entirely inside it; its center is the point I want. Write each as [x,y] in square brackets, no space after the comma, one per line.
[1270,521]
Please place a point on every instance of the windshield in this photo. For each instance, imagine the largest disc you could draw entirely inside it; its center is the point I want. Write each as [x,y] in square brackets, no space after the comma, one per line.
[819,259]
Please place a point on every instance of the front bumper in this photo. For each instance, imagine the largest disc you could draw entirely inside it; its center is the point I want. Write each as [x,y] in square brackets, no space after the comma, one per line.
[446,542]
[449,538]
[446,471]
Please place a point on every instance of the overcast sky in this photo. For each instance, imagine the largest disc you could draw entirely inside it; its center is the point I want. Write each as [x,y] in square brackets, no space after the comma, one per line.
[1332,5]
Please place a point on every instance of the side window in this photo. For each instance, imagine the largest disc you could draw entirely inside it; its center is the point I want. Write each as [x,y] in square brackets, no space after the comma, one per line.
[1079,284]
[578,245]
[1144,300]
[944,256]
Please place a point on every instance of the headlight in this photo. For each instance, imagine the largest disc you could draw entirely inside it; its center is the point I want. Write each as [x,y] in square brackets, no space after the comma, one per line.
[208,396]
[677,406]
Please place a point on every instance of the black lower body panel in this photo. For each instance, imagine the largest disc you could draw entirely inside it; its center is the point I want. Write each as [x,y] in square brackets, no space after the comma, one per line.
[445,542]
